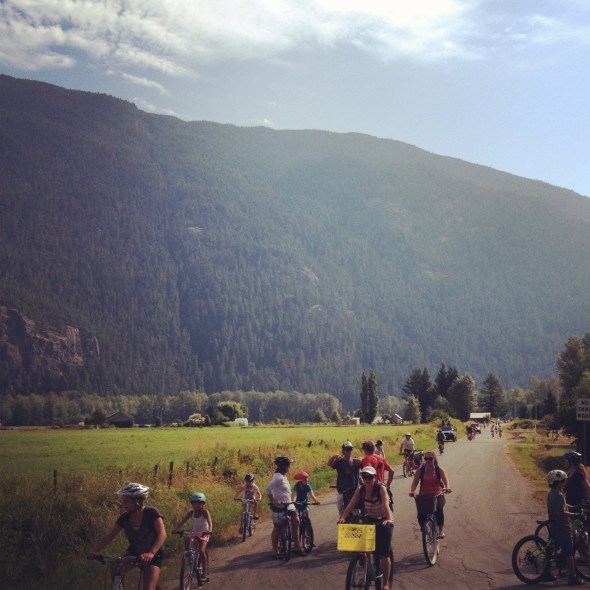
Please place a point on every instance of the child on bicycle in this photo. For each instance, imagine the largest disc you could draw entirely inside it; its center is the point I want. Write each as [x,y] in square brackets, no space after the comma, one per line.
[144,529]
[202,525]
[302,490]
[249,491]
[560,526]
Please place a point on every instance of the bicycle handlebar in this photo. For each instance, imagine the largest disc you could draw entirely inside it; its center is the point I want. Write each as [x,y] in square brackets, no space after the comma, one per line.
[104,559]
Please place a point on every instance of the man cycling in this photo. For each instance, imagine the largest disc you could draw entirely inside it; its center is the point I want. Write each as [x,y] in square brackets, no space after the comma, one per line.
[440,439]
[407,447]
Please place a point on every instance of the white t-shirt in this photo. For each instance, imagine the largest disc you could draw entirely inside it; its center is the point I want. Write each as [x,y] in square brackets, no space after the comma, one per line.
[408,444]
[279,488]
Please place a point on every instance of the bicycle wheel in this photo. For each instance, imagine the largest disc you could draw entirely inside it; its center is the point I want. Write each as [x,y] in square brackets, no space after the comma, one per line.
[357,575]
[405,470]
[188,579]
[251,526]
[306,534]
[117,582]
[531,557]
[429,540]
[244,525]
[285,540]
[582,556]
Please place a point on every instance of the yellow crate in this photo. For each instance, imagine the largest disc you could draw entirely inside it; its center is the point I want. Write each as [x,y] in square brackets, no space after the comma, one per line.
[356,537]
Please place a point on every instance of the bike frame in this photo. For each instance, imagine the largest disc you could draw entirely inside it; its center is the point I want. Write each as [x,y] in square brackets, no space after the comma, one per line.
[116,564]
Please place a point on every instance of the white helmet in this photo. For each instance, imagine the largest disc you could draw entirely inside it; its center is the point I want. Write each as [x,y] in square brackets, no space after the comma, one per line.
[555,476]
[134,490]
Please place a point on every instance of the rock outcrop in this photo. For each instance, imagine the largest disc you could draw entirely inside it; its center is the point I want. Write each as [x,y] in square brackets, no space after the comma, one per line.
[31,348]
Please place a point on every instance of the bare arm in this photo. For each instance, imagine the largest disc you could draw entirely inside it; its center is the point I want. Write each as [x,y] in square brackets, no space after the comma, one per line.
[182,520]
[444,479]
[159,541]
[115,530]
[415,481]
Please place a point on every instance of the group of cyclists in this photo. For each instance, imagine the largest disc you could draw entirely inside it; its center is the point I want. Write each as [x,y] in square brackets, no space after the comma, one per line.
[362,487]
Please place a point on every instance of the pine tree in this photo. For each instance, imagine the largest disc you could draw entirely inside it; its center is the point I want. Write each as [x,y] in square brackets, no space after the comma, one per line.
[369,397]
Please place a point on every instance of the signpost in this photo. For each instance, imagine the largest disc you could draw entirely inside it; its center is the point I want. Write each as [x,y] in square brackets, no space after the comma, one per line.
[583,414]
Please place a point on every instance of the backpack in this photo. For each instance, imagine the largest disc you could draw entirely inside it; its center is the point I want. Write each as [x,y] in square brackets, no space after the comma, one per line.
[378,486]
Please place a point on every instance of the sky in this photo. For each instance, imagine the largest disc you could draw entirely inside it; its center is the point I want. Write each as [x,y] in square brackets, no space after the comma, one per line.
[503,83]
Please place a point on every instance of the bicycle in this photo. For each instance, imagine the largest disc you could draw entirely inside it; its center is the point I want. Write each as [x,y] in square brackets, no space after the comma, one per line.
[532,555]
[426,504]
[305,528]
[247,522]
[285,538]
[408,464]
[192,574]
[118,575]
[364,567]
[441,447]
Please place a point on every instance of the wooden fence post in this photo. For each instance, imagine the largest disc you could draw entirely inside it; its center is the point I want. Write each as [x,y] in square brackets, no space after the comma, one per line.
[155,474]
[170,471]
[55,481]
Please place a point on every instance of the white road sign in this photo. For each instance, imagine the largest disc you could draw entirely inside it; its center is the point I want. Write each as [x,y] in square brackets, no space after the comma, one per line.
[583,409]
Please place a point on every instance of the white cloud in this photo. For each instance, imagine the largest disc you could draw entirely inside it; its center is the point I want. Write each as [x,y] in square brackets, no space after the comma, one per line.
[178,37]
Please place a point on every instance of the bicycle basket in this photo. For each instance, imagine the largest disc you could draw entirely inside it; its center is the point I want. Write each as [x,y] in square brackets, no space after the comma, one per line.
[426,504]
[356,537]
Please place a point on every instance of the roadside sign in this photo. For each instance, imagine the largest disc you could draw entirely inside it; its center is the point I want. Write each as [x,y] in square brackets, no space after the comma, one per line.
[583,409]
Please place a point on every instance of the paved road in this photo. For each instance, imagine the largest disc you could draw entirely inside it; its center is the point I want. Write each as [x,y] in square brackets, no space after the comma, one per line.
[488,511]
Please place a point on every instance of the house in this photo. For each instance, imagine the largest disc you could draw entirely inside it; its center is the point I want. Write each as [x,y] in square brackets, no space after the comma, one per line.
[480,416]
[397,420]
[352,421]
[120,420]
[241,421]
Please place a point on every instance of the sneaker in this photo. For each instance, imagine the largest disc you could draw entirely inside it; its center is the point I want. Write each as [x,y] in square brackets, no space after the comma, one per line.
[256,517]
[548,577]
[575,582]
[204,579]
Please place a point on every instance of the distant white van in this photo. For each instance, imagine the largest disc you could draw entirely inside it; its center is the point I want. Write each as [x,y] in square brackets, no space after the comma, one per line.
[241,421]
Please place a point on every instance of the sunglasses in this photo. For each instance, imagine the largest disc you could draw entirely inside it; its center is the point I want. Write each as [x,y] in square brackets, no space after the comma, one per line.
[429,458]
[347,449]
[367,476]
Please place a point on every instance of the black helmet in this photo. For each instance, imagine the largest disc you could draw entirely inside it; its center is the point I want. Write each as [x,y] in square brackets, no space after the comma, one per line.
[283,461]
[573,457]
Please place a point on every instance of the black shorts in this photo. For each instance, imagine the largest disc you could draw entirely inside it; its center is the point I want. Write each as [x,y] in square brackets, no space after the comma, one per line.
[383,537]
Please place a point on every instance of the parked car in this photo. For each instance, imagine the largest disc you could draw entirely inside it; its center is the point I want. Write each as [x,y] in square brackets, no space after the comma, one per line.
[450,433]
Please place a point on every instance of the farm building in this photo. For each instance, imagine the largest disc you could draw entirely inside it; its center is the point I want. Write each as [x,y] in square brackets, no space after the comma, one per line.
[120,420]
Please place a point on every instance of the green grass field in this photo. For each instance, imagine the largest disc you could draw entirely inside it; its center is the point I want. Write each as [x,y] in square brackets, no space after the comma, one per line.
[48,524]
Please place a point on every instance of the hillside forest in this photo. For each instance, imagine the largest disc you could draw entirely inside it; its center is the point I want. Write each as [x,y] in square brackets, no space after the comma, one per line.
[199,258]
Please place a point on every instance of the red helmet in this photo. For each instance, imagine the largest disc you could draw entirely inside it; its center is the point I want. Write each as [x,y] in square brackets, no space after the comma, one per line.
[301,475]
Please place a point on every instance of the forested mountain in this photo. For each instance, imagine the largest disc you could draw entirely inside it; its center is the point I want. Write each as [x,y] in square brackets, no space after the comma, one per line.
[212,257]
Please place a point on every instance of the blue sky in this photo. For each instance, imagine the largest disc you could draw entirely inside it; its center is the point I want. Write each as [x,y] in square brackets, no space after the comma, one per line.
[504,83]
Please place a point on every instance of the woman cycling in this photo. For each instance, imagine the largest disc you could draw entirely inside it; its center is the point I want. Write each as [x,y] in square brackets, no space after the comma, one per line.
[279,494]
[433,481]
[144,529]
[577,488]
[374,504]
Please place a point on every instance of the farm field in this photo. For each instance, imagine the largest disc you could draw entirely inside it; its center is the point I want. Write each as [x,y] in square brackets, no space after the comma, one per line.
[40,451]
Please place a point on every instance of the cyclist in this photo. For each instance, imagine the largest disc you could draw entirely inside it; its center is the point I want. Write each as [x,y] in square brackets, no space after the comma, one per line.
[302,490]
[374,504]
[379,448]
[202,525]
[347,469]
[279,494]
[440,439]
[379,463]
[249,491]
[577,488]
[407,445]
[561,531]
[144,529]
[433,480]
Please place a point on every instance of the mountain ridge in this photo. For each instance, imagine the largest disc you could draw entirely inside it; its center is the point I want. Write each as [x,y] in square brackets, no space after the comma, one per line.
[191,238]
